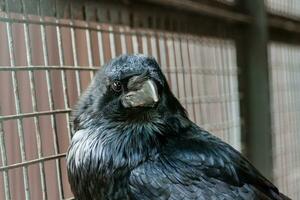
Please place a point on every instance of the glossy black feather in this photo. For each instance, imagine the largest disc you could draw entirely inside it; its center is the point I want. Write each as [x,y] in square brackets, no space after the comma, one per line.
[151,153]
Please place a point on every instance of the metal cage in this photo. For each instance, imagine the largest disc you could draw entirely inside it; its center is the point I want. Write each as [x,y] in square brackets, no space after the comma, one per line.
[50,52]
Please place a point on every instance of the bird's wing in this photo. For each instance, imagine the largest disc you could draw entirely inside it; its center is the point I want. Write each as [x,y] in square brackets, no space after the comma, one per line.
[162,181]
[199,166]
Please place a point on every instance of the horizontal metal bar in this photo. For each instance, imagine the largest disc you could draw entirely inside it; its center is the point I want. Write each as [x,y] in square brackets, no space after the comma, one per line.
[90,27]
[30,162]
[221,126]
[201,70]
[29,68]
[71,198]
[290,24]
[199,8]
[26,115]
[49,23]
[211,99]
[284,23]
[93,26]
[90,68]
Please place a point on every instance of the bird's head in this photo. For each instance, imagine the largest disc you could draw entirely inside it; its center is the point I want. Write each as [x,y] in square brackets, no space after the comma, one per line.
[128,88]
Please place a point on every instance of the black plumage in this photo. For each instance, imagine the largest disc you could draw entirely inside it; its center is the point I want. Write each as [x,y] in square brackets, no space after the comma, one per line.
[133,140]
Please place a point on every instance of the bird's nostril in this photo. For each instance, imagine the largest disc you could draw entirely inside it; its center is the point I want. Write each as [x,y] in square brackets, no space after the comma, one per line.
[129,95]
[137,81]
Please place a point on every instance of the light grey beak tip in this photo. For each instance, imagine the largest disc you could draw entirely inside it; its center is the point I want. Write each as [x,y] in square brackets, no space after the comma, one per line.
[146,96]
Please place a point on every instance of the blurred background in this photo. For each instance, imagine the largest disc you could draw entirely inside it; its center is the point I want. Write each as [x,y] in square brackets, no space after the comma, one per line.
[234,65]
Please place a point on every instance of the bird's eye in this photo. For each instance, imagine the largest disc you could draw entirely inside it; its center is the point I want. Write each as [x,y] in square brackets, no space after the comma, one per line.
[117,86]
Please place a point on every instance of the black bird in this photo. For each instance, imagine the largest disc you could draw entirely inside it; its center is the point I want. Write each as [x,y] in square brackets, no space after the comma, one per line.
[133,140]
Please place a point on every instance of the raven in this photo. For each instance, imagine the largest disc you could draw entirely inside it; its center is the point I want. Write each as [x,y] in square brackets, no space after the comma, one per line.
[133,140]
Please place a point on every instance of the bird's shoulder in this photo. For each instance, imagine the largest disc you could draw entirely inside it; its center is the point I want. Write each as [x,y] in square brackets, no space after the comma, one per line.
[198,165]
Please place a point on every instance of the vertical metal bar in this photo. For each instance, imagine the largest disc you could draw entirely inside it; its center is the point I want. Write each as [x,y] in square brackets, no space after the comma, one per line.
[215,90]
[33,99]
[4,163]
[162,52]
[167,56]
[297,97]
[237,95]
[280,97]
[286,116]
[200,63]
[74,52]
[275,53]
[100,45]
[185,76]
[297,108]
[17,104]
[279,113]
[225,53]
[89,50]
[232,85]
[207,79]
[180,72]
[211,91]
[173,77]
[190,77]
[291,116]
[123,41]
[145,45]
[288,127]
[135,43]
[294,117]
[51,102]
[257,96]
[63,76]
[194,77]
[175,67]
[221,92]
[65,95]
[227,90]
[198,76]
[112,42]
[205,65]
[224,67]
[153,47]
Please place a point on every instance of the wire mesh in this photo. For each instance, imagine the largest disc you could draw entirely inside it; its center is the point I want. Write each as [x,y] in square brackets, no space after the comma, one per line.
[290,8]
[46,63]
[285,81]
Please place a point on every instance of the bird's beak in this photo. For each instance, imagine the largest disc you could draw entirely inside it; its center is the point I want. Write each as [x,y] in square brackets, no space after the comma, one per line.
[146,96]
